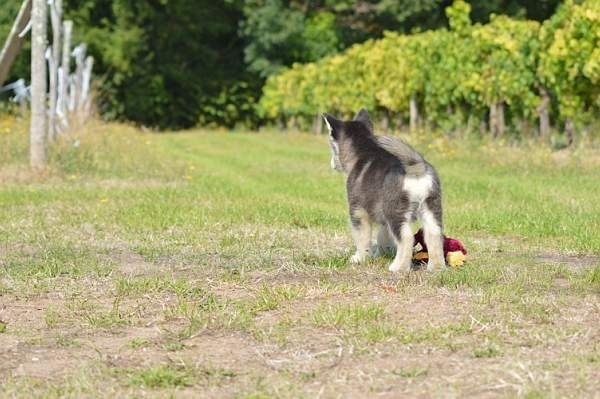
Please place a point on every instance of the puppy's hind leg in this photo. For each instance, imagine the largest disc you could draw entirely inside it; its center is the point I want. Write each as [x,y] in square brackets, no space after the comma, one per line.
[385,243]
[404,238]
[361,232]
[432,231]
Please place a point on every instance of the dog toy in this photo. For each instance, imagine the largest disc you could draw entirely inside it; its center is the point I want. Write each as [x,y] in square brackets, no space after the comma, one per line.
[454,251]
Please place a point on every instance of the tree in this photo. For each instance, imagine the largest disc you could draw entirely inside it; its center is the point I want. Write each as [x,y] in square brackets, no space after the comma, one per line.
[166,63]
[279,31]
[14,41]
[507,72]
[179,63]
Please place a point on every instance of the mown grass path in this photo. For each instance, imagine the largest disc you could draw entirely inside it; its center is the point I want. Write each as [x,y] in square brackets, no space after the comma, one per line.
[216,264]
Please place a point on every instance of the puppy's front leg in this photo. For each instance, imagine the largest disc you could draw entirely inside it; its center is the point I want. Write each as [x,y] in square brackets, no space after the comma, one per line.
[361,232]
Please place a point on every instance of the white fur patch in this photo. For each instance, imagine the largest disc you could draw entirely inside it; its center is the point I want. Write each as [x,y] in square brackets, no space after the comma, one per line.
[328,125]
[433,240]
[429,222]
[335,155]
[418,187]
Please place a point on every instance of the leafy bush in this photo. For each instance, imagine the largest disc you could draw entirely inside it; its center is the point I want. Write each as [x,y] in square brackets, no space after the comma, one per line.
[467,70]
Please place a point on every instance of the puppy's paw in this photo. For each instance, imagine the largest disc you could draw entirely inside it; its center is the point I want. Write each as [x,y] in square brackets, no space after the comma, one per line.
[358,257]
[433,266]
[396,267]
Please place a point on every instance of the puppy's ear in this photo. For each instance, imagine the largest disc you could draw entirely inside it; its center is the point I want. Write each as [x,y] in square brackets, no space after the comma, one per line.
[363,116]
[333,124]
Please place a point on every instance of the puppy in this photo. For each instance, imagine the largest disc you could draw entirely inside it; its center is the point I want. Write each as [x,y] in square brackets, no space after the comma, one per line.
[390,184]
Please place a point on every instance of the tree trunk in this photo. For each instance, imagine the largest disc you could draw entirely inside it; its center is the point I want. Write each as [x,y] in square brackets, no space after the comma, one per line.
[399,123]
[39,25]
[483,128]
[569,131]
[53,63]
[291,124]
[414,113]
[318,124]
[14,41]
[497,125]
[544,114]
[500,119]
[493,119]
[385,121]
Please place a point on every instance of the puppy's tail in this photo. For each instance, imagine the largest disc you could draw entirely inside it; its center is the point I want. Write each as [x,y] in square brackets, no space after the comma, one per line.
[413,161]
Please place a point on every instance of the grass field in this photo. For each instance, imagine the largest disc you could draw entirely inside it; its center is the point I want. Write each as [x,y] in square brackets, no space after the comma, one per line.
[213,264]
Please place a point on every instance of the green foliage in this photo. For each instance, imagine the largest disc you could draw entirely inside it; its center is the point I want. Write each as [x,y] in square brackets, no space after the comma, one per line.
[451,73]
[458,16]
[274,34]
[180,63]
[8,13]
[570,64]
[165,63]
[320,36]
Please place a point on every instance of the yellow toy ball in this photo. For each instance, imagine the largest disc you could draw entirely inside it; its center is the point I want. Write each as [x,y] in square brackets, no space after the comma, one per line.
[455,259]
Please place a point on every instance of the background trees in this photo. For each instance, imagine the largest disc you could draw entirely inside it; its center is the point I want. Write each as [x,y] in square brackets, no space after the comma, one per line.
[503,73]
[179,63]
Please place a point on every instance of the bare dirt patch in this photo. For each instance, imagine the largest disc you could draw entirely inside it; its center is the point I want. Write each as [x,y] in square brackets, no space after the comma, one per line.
[132,264]
[577,261]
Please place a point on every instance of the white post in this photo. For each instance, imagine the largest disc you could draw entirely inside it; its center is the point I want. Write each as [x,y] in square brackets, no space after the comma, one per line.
[65,67]
[72,91]
[86,96]
[38,84]
[79,54]
[54,60]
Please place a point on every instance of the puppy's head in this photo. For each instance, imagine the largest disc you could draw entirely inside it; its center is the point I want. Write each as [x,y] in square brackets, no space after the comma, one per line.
[343,131]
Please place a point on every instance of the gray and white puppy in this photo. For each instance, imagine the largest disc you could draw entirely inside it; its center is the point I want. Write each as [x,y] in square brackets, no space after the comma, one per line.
[390,184]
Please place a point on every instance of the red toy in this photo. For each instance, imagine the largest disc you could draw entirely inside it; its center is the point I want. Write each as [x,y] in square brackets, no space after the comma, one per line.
[454,252]
[450,244]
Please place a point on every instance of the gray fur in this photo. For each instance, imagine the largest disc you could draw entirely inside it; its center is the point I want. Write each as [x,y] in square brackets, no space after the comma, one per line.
[413,161]
[390,184]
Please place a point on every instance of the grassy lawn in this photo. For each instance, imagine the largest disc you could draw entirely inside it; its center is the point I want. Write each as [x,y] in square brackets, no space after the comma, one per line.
[215,264]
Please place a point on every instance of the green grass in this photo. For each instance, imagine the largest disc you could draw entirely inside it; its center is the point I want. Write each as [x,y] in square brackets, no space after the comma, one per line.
[348,315]
[411,372]
[139,343]
[487,351]
[206,262]
[159,377]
